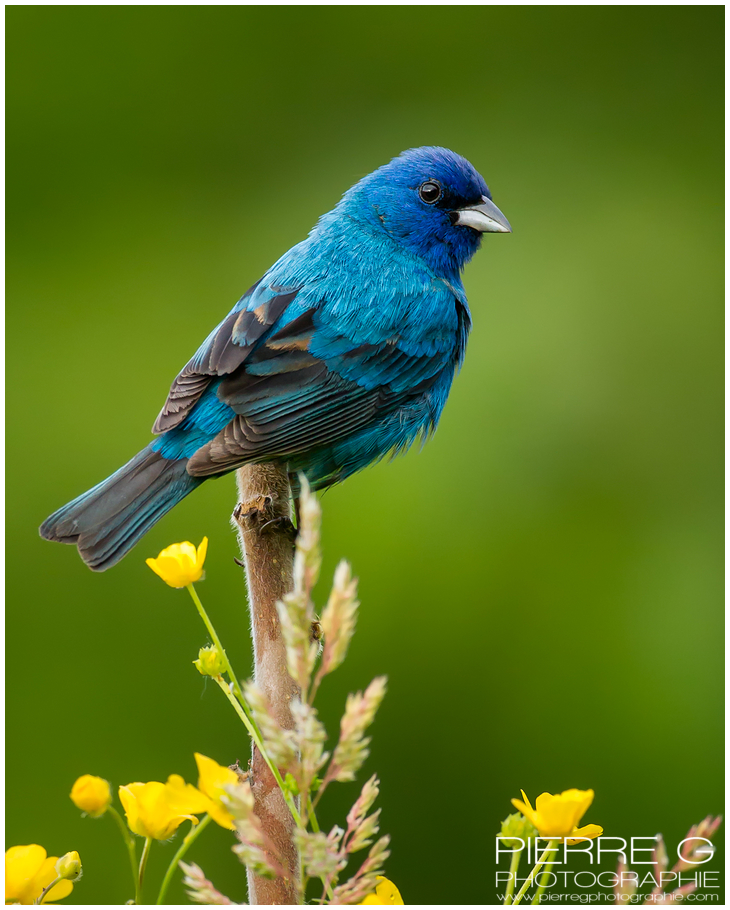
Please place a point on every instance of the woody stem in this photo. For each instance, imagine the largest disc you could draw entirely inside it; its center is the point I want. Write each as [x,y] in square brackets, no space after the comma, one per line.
[263,516]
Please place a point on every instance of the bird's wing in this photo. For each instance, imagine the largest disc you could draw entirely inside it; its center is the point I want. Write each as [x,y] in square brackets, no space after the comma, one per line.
[224,350]
[308,384]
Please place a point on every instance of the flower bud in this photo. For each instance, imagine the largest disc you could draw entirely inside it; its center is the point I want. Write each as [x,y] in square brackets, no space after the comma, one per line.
[69,866]
[210,661]
[92,795]
[514,826]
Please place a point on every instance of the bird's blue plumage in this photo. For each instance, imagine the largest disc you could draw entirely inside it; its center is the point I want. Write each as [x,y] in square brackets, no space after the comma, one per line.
[343,352]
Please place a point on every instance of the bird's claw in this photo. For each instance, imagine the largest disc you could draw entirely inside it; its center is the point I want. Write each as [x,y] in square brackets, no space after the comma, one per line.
[260,515]
[280,525]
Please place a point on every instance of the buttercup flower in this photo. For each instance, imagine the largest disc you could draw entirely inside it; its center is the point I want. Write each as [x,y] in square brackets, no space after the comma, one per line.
[212,780]
[180,564]
[157,810]
[385,893]
[558,816]
[92,795]
[69,866]
[27,872]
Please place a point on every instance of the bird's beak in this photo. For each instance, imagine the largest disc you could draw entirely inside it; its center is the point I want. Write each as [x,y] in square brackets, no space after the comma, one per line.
[484,217]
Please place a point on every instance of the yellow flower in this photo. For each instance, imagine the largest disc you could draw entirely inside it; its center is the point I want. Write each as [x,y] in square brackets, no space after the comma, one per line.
[27,872]
[92,795]
[212,779]
[69,866]
[157,810]
[385,893]
[558,816]
[180,564]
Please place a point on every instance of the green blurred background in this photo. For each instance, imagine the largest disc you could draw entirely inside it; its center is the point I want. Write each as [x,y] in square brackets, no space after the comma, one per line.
[542,583]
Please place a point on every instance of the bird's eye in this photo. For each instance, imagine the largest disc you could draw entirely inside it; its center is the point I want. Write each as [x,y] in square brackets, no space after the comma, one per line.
[430,192]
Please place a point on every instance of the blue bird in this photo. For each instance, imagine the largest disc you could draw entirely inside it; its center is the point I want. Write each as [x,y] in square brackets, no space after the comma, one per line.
[343,352]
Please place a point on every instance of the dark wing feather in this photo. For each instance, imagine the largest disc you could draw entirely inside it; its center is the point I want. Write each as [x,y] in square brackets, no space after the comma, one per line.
[224,350]
[287,401]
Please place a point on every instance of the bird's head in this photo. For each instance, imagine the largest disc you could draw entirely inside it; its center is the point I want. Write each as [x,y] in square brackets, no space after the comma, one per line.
[433,202]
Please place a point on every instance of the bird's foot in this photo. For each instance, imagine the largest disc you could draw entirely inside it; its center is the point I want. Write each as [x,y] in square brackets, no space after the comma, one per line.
[261,515]
[280,525]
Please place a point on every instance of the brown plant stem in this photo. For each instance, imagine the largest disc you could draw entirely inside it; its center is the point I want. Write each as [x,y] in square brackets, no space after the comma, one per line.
[263,517]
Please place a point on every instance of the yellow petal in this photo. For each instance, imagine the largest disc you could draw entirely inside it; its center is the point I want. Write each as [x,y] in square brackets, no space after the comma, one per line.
[22,865]
[171,824]
[158,567]
[157,815]
[202,552]
[557,813]
[221,816]
[128,799]
[583,796]
[180,551]
[170,571]
[580,799]
[213,777]
[185,798]
[212,780]
[385,893]
[591,831]
[527,811]
[544,802]
[527,801]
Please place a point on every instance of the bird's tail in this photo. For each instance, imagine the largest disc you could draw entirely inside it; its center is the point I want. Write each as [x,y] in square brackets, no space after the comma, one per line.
[108,520]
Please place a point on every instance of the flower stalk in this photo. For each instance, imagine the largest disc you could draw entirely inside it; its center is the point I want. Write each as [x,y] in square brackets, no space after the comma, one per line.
[256,736]
[42,896]
[513,867]
[221,650]
[129,844]
[142,869]
[544,878]
[549,850]
[192,835]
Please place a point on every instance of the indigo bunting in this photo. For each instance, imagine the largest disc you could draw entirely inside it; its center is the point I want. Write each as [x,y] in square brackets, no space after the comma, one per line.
[343,352]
